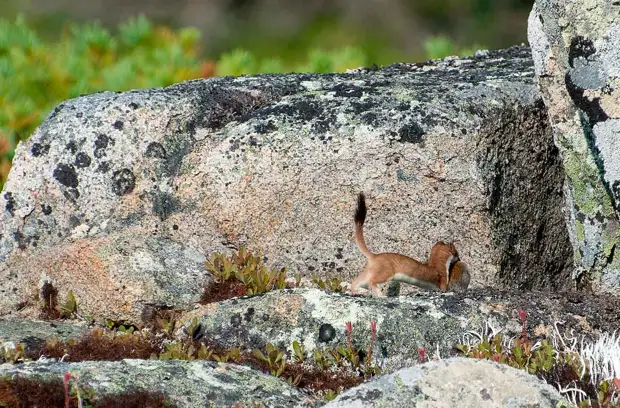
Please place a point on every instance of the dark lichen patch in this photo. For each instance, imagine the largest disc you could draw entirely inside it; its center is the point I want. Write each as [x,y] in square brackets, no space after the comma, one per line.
[263,127]
[71,147]
[71,194]
[248,314]
[123,182]
[101,144]
[580,47]
[592,108]
[156,150]
[615,188]
[39,149]
[82,160]
[219,106]
[103,167]
[235,320]
[10,203]
[65,174]
[164,204]
[370,119]
[347,90]
[411,133]
[322,126]
[46,209]
[359,107]
[118,125]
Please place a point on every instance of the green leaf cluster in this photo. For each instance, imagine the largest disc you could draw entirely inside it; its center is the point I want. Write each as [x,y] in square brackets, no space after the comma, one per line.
[247,268]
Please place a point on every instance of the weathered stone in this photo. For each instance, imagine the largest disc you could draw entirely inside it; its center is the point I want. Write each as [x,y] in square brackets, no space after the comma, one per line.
[33,333]
[186,383]
[437,322]
[457,149]
[119,276]
[455,382]
[576,49]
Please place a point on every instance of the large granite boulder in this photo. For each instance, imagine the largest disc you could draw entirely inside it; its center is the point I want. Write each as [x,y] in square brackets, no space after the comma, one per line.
[456,382]
[182,383]
[119,197]
[576,49]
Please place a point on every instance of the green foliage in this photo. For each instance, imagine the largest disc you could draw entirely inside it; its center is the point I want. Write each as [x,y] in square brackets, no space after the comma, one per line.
[12,352]
[299,351]
[441,46]
[274,359]
[562,368]
[245,267]
[333,284]
[35,76]
[70,306]
[520,355]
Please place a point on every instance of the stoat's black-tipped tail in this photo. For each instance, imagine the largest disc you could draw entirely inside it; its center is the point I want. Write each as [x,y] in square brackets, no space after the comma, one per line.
[360,217]
[360,212]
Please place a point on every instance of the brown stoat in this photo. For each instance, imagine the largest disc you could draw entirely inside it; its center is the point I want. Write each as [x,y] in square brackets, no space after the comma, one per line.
[444,270]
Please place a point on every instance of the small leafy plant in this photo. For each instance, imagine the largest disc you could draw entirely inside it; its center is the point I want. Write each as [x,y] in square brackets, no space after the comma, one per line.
[573,372]
[242,273]
[11,352]
[333,284]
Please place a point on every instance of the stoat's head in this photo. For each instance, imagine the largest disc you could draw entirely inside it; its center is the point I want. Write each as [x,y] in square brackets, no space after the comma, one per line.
[443,256]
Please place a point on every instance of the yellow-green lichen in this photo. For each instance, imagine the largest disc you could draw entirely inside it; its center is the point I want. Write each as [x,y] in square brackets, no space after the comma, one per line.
[589,194]
[580,231]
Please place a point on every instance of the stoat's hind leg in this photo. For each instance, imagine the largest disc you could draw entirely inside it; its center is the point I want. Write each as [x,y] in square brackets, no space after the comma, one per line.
[361,281]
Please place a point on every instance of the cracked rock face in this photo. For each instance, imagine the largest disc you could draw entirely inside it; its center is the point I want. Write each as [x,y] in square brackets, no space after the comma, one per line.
[576,56]
[456,382]
[120,196]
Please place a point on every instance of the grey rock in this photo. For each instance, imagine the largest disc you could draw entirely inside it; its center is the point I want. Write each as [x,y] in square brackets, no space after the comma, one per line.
[576,49]
[456,149]
[33,333]
[196,383]
[455,382]
[121,276]
[436,322]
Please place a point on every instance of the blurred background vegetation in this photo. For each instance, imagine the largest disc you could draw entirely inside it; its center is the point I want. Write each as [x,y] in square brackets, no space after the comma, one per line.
[54,50]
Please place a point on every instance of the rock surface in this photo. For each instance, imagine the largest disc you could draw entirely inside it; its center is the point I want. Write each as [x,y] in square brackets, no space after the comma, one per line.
[576,49]
[186,383]
[33,333]
[317,319]
[456,382]
[455,149]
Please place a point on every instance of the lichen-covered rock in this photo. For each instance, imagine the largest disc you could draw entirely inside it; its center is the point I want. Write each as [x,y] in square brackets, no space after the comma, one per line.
[455,382]
[576,49]
[457,149]
[187,384]
[33,333]
[317,319]
[119,276]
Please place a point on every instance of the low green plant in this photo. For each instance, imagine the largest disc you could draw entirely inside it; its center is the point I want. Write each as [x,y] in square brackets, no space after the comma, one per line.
[570,370]
[333,284]
[274,358]
[183,351]
[242,273]
[12,353]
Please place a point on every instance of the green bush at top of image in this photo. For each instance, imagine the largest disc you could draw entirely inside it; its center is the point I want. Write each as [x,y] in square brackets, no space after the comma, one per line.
[36,75]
